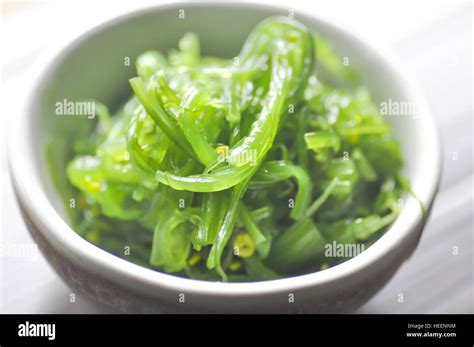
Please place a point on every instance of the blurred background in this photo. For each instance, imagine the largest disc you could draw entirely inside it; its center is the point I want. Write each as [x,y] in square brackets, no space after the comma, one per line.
[432,39]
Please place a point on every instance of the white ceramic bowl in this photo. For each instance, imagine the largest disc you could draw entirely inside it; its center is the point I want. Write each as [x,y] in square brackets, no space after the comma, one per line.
[92,66]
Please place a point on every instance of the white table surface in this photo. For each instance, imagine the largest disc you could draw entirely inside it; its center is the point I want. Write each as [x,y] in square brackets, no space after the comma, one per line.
[432,38]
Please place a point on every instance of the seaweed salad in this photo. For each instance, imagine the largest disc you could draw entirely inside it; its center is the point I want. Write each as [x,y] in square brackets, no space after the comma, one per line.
[241,169]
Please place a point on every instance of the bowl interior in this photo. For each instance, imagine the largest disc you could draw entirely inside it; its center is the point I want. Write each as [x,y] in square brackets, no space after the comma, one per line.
[95,67]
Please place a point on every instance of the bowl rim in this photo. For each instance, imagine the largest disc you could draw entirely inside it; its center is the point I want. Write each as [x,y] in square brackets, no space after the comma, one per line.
[65,240]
